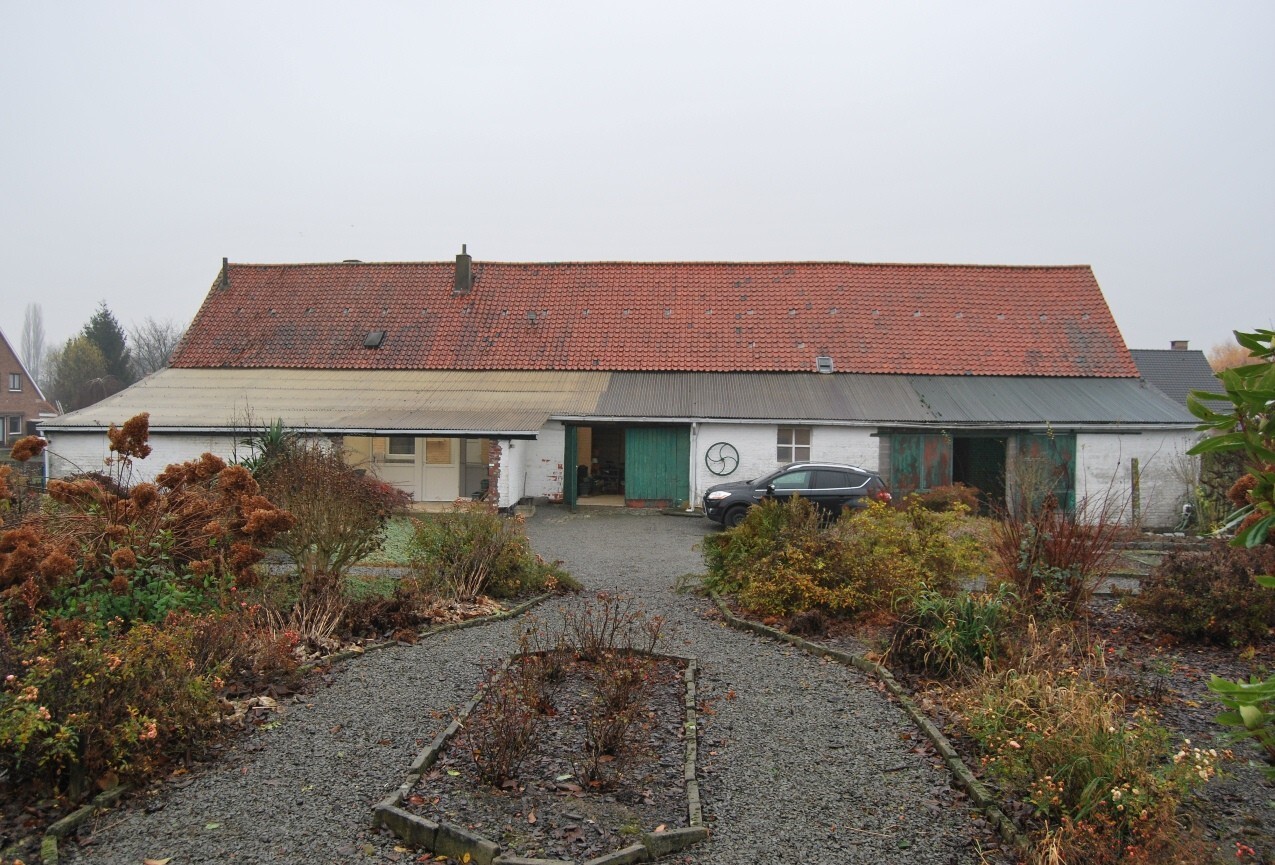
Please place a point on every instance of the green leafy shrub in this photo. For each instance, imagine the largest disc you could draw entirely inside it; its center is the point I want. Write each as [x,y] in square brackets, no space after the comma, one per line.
[770,526]
[84,708]
[1210,596]
[781,560]
[471,550]
[946,498]
[944,635]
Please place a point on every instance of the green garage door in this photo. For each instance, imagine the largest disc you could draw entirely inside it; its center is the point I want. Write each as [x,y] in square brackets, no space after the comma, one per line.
[657,465]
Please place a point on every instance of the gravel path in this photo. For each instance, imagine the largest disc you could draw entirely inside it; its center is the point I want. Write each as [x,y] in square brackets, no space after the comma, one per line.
[801,760]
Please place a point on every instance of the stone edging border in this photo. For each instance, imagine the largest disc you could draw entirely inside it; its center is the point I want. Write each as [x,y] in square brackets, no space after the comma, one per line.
[68,824]
[460,844]
[978,792]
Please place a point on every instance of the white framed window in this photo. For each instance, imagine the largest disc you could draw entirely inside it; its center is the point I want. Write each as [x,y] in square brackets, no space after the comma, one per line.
[15,381]
[401,448]
[793,444]
[15,427]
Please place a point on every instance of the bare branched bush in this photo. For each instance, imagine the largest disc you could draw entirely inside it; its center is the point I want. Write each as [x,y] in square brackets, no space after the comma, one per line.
[340,513]
[1055,558]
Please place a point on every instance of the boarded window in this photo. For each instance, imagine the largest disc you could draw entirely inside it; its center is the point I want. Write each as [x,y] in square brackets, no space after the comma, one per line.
[438,452]
[793,444]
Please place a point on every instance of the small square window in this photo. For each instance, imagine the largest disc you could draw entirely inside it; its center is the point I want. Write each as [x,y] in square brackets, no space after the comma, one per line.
[793,444]
[15,381]
[15,425]
[401,447]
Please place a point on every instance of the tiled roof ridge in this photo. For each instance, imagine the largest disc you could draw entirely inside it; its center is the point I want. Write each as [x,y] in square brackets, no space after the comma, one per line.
[670,263]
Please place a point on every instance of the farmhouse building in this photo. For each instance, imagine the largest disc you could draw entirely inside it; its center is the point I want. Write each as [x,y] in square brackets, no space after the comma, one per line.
[645,383]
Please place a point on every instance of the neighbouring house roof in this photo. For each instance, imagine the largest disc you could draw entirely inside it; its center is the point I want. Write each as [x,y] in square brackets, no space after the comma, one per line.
[517,404]
[31,399]
[922,319]
[1176,372]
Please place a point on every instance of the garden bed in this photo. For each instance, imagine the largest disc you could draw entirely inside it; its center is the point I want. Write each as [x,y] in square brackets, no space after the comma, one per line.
[1233,813]
[560,804]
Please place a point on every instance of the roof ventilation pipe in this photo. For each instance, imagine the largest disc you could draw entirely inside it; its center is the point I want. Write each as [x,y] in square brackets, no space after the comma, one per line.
[464,272]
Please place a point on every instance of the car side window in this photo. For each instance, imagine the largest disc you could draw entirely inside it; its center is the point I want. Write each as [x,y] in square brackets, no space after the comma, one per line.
[835,479]
[798,480]
[831,479]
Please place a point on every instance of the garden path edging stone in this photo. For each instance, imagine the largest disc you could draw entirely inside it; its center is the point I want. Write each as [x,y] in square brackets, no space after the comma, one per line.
[978,792]
[448,840]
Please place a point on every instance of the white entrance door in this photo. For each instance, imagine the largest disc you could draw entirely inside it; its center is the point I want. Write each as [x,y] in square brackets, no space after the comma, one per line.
[427,468]
[440,470]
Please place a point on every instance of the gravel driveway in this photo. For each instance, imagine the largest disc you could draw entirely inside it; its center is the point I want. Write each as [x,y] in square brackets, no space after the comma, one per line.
[801,760]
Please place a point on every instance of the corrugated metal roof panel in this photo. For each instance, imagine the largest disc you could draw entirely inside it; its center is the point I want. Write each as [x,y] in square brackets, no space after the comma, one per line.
[509,402]
[521,402]
[777,396]
[1014,400]
[886,399]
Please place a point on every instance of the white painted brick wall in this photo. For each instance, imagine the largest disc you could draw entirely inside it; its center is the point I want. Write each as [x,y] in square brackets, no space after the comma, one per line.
[73,452]
[1103,473]
[757,455]
[543,466]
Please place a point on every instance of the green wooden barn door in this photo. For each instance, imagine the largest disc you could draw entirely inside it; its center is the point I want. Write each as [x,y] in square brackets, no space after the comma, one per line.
[1045,465]
[656,465]
[570,488]
[919,461]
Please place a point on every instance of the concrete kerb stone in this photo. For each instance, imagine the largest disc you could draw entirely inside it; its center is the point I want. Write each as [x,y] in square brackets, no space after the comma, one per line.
[73,821]
[455,842]
[979,794]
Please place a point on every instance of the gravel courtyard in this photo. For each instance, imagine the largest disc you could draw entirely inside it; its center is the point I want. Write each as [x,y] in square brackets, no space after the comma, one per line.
[801,760]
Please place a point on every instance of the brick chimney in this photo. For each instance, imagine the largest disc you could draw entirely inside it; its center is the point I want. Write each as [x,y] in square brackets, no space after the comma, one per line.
[464,272]
[1178,344]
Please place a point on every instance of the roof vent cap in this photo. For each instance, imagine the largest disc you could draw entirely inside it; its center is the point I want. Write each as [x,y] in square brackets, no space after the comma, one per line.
[823,364]
[374,339]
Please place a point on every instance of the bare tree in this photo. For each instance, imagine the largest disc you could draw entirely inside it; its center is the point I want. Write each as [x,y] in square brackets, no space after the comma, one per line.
[152,342]
[33,340]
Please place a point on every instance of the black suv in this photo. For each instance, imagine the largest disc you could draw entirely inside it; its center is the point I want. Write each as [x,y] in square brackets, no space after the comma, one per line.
[831,486]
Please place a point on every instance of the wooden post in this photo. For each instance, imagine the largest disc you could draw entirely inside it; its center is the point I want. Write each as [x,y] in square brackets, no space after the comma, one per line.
[1135,477]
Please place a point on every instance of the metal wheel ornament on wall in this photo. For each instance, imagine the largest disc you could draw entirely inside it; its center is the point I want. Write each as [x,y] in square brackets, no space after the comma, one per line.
[721,458]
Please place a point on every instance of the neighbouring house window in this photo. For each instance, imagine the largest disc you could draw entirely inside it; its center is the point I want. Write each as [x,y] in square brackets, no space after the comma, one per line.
[15,381]
[15,427]
[438,452]
[401,448]
[793,444]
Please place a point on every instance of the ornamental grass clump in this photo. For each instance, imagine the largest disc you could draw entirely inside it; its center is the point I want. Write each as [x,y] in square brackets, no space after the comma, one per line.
[952,635]
[472,550]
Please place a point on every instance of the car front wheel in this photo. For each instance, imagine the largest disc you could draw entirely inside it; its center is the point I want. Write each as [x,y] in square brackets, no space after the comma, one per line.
[735,516]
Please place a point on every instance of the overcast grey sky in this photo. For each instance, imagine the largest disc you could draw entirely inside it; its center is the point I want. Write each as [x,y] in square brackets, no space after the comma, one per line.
[141,142]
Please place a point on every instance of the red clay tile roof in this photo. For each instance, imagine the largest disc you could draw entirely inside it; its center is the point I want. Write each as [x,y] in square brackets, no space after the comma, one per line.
[870,318]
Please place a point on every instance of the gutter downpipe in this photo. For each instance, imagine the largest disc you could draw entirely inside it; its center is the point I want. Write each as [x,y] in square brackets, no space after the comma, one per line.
[694,486]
